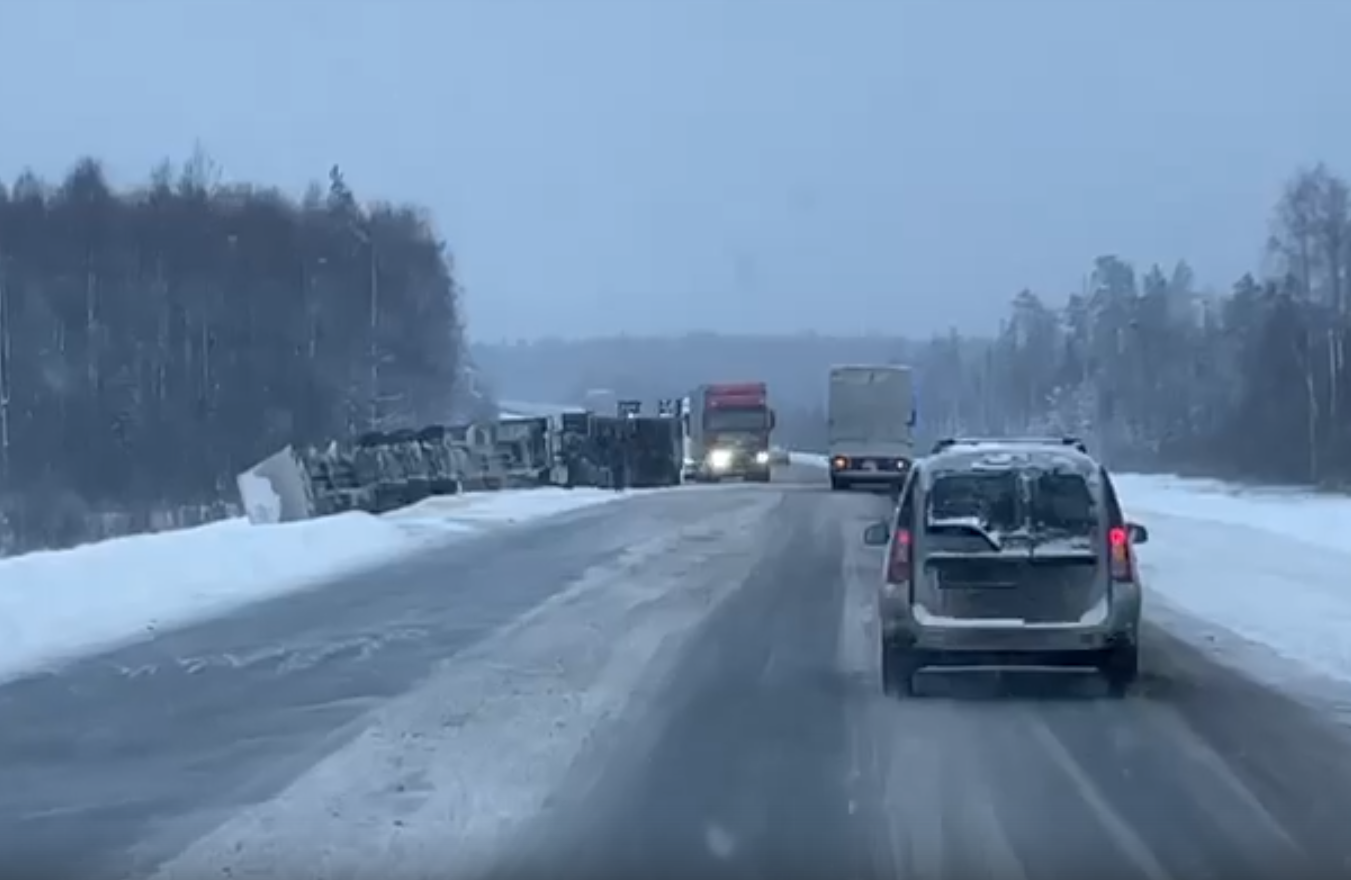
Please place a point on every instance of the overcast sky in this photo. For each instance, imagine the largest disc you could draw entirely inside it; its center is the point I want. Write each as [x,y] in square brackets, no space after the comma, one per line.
[752,165]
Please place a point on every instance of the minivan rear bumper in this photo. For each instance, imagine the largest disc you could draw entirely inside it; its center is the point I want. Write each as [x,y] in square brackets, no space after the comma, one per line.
[900,628]
[1007,640]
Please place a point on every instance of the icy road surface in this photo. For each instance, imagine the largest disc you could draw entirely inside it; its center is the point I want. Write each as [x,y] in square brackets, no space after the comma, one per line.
[682,682]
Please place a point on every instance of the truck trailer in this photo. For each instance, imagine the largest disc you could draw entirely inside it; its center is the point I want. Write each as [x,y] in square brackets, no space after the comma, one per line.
[871,412]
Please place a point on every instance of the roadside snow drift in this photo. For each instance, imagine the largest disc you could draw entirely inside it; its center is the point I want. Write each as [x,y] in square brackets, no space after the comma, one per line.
[807,459]
[1266,565]
[58,604]
[1299,514]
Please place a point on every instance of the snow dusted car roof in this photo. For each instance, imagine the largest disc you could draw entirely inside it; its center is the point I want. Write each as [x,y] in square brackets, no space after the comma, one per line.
[992,455]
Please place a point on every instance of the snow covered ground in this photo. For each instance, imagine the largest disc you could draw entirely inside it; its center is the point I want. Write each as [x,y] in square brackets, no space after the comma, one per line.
[1256,575]
[526,409]
[1268,566]
[59,604]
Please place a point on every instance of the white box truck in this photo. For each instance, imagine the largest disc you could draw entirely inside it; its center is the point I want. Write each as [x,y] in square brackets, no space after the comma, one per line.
[871,413]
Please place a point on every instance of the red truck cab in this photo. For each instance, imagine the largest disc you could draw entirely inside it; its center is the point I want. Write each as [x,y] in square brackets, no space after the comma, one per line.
[728,428]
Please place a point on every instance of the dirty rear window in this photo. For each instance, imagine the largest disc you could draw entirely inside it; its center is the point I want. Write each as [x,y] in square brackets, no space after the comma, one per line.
[1062,502]
[1007,500]
[989,498]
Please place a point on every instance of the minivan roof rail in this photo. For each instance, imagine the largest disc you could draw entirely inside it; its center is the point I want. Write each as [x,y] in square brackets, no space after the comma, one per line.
[949,442]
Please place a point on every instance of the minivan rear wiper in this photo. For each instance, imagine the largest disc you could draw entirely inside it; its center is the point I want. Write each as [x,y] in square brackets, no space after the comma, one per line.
[971,525]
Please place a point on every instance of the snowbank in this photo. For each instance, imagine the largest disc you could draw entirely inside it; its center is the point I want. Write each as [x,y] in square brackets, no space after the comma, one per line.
[1299,514]
[62,603]
[1267,565]
[530,409]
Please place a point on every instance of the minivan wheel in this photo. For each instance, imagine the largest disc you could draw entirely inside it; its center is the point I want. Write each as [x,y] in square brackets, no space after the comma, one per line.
[1120,667]
[899,666]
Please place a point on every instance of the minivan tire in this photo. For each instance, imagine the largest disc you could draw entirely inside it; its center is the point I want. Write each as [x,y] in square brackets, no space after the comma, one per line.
[1120,667]
[899,666]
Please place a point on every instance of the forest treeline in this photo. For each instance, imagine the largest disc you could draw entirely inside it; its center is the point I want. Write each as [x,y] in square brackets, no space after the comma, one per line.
[153,343]
[1250,383]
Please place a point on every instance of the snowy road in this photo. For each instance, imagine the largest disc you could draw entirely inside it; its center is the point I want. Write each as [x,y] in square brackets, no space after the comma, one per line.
[682,681]
[771,753]
[158,742]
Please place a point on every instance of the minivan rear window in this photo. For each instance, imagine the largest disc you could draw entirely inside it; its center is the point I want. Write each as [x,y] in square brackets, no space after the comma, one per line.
[989,498]
[1008,500]
[1062,502]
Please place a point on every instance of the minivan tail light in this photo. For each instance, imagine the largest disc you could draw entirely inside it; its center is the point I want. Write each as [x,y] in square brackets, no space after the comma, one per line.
[1119,553]
[898,566]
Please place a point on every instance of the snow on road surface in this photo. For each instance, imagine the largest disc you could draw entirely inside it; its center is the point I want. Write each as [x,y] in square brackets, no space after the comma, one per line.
[59,604]
[1267,565]
[444,774]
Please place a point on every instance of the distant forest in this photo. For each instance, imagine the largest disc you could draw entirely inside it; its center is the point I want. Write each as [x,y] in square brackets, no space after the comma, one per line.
[154,343]
[1155,373]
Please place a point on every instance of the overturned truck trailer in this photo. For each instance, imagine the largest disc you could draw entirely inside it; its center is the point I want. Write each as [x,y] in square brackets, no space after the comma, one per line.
[635,450]
[382,471]
[379,471]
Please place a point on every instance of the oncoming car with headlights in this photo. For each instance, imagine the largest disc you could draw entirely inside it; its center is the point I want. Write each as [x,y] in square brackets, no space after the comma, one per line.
[1009,554]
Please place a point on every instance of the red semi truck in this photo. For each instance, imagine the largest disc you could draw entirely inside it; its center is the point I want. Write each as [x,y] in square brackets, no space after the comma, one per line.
[726,428]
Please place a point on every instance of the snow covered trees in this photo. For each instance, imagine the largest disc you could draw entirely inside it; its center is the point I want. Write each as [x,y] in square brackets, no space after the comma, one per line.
[154,343]
[1156,373]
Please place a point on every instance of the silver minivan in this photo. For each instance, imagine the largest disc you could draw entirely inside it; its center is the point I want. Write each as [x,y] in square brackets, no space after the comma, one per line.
[1009,553]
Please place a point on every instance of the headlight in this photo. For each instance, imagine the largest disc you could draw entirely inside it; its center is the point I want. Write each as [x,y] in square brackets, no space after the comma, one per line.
[762,458]
[720,459]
